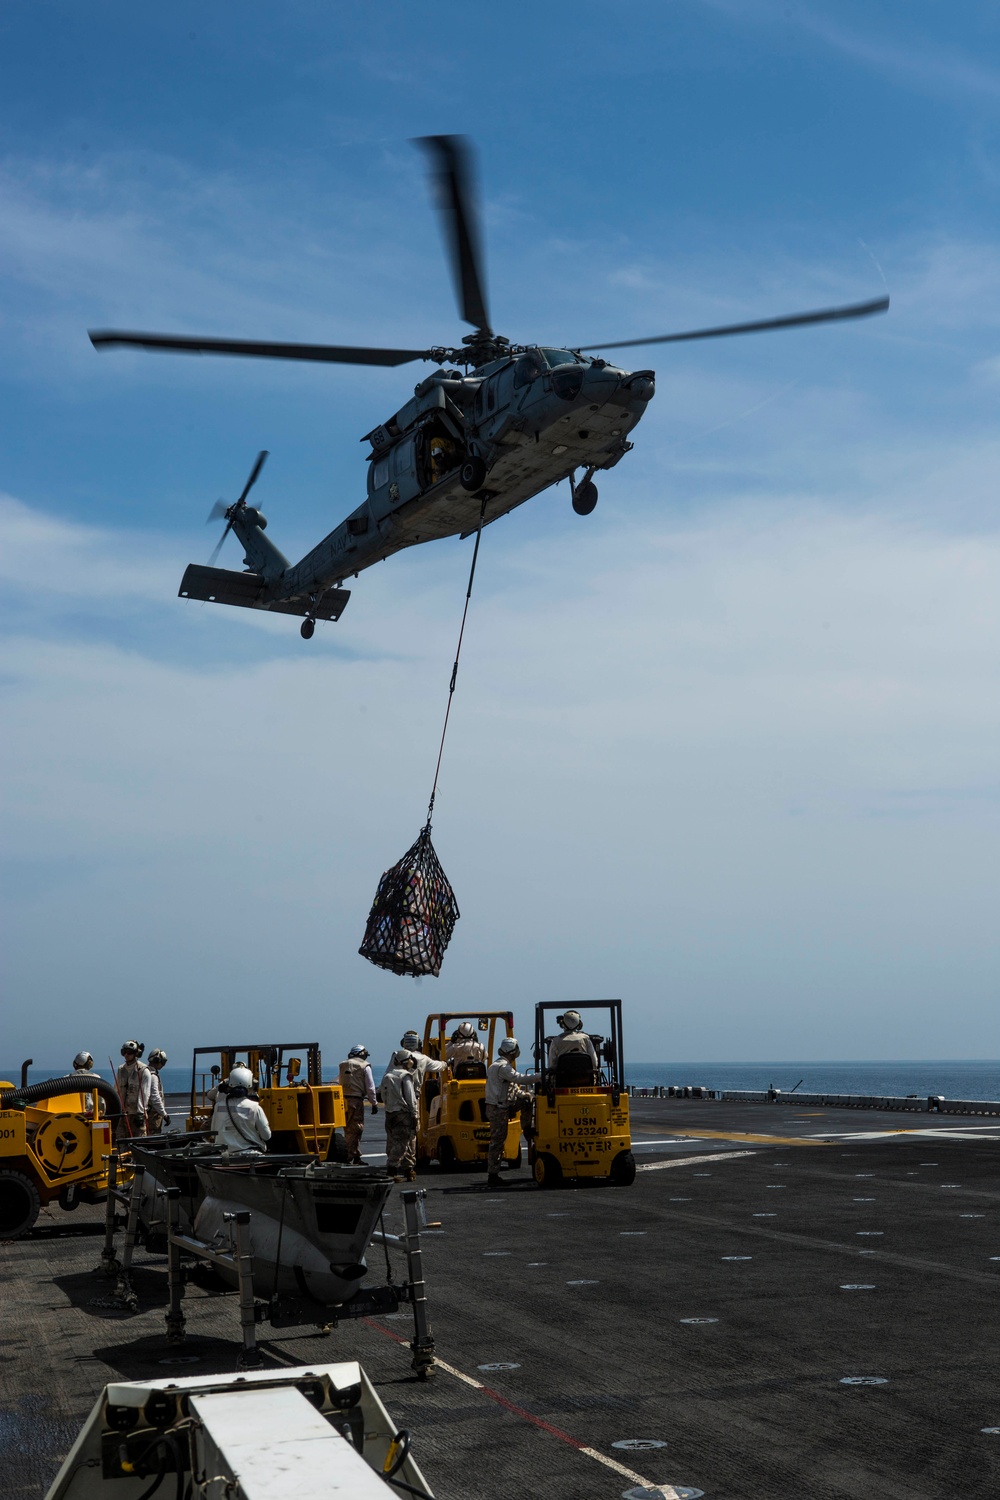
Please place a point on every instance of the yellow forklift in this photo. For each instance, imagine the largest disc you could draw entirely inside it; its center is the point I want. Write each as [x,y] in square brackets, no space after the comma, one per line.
[451,1125]
[54,1146]
[581,1112]
[303,1112]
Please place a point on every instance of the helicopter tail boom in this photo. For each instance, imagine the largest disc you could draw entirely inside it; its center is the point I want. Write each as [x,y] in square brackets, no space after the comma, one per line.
[251,591]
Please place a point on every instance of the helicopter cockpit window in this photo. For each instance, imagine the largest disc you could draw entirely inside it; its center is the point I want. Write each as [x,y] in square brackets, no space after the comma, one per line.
[527,369]
[554,357]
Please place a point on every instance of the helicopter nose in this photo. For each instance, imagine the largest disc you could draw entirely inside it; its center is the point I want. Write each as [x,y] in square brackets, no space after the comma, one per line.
[635,388]
[641,386]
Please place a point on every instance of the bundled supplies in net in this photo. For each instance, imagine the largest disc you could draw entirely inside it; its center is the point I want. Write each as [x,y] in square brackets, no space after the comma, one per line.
[413,914]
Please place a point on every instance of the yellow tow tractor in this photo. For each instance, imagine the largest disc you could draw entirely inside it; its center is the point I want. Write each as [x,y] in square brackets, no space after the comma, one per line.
[54,1146]
[452,1126]
[303,1112]
[581,1112]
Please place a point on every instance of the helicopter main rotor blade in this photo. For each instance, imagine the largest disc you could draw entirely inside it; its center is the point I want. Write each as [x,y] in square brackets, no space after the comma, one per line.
[459,206]
[334,354]
[217,512]
[794,320]
[254,472]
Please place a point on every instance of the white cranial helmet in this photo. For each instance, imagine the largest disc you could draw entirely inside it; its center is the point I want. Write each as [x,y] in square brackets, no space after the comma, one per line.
[83,1062]
[571,1020]
[508,1047]
[240,1077]
[403,1059]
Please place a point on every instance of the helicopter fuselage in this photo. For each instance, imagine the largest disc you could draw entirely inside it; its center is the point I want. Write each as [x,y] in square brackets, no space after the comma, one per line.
[464,447]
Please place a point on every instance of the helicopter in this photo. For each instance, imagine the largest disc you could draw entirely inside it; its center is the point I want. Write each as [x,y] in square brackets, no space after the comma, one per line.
[494,425]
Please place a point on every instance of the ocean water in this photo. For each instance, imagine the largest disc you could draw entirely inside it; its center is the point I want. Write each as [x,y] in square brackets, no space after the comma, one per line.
[953,1079]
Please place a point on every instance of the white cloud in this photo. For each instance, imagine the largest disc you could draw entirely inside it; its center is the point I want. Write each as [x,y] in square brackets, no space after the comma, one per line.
[743,769]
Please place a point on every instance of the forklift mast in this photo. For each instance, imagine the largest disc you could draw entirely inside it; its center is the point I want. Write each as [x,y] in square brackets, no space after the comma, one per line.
[608,1048]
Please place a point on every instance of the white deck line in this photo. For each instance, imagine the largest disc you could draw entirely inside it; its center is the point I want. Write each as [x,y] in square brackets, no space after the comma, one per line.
[691,1161]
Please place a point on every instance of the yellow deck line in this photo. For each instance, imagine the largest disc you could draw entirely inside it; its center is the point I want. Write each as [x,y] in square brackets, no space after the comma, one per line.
[747,1135]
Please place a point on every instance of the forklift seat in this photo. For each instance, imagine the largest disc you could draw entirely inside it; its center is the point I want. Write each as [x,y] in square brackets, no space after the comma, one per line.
[574,1070]
[469,1069]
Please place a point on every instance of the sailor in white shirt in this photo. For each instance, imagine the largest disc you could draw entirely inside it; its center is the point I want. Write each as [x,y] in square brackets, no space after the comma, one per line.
[238,1122]
[572,1039]
[400,1101]
[505,1098]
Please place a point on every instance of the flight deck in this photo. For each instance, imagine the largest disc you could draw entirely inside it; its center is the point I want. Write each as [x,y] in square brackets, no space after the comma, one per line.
[787,1303]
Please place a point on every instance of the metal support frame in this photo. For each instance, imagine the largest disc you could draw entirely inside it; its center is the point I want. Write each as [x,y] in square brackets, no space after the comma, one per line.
[290,1312]
[175,1319]
[238,1258]
[423,1340]
[109,1261]
[124,1289]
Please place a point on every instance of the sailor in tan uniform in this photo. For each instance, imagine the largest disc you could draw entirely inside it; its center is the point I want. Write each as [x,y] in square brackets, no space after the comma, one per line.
[359,1088]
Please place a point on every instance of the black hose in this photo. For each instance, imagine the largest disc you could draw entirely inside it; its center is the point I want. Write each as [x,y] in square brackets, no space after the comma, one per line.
[71,1083]
[168,1443]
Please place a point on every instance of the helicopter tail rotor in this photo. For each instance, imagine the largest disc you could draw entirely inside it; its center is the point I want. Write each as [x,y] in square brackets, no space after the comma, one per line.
[220,508]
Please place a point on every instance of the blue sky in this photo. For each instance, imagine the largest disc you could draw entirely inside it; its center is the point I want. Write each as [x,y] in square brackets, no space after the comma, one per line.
[729,746]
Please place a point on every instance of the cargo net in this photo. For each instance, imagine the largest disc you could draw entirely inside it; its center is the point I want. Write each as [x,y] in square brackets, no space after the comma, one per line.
[413,915]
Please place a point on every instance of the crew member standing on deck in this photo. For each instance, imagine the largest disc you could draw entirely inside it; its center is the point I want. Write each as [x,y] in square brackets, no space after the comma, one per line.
[427,1070]
[358,1085]
[132,1082]
[422,1064]
[157,1116]
[400,1101]
[505,1098]
[572,1039]
[83,1062]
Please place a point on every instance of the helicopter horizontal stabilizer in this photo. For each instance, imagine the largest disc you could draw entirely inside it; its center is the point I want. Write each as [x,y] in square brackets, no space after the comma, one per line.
[250,591]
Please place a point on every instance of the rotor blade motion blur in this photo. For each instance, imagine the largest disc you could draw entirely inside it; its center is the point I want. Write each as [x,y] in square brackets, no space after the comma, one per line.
[254,475]
[452,159]
[220,508]
[218,546]
[333,354]
[794,320]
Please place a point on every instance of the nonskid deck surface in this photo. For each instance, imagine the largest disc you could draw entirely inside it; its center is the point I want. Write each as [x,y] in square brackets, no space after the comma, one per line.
[764,1257]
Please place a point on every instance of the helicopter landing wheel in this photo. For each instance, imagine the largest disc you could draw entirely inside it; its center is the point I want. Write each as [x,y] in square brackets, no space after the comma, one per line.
[472,475]
[307,629]
[585,498]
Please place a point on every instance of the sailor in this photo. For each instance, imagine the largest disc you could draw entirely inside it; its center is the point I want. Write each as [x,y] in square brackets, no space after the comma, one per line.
[573,1038]
[400,1101]
[443,456]
[358,1085]
[83,1062]
[463,1045]
[505,1098]
[238,1122]
[423,1065]
[132,1082]
[157,1116]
